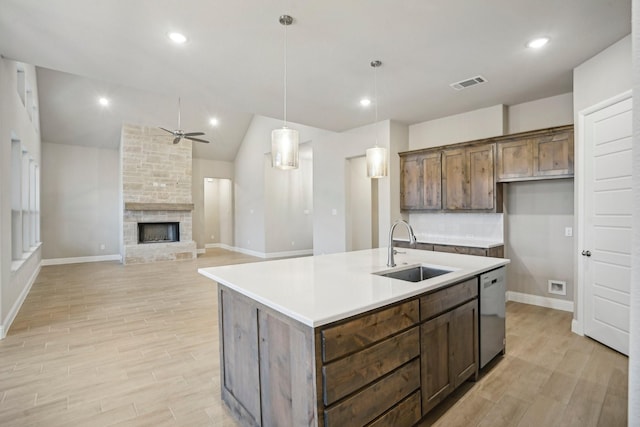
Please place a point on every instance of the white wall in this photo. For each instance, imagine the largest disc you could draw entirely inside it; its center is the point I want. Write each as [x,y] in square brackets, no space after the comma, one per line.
[540,114]
[359,208]
[253,207]
[330,181]
[603,76]
[537,214]
[14,123]
[218,211]
[477,124]
[79,201]
[289,205]
[201,169]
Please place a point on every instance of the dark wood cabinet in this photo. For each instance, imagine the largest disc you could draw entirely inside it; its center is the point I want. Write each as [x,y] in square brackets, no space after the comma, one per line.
[386,367]
[468,177]
[420,184]
[536,155]
[448,340]
[495,251]
[468,181]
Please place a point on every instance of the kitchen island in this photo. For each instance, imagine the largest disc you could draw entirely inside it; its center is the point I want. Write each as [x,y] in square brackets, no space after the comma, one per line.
[324,341]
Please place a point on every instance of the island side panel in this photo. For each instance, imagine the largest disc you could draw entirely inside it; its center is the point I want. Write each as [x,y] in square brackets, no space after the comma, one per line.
[283,360]
[240,377]
[286,373]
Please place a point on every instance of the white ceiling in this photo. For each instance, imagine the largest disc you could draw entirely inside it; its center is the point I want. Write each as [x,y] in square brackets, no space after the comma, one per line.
[232,66]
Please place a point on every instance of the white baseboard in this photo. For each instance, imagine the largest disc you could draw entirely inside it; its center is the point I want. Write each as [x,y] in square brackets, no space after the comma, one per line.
[576,327]
[81,259]
[4,328]
[554,303]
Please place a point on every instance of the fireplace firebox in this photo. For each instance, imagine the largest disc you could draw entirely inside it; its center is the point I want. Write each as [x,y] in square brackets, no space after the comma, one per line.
[158,232]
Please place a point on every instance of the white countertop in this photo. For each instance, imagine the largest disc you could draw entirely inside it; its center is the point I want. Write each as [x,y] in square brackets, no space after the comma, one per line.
[317,290]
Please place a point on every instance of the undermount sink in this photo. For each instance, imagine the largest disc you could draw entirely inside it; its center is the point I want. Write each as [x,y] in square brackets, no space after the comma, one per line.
[416,273]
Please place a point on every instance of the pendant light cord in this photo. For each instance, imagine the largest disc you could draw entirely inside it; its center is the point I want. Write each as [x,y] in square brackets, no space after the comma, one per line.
[285,74]
[375,93]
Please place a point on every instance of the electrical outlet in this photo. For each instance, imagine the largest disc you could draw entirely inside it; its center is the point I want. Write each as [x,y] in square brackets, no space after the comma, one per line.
[568,231]
[102,247]
[293,243]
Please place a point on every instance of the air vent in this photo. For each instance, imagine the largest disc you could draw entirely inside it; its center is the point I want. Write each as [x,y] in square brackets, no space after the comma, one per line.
[468,82]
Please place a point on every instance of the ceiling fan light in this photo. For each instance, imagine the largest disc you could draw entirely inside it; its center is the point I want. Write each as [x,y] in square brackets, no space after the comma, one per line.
[284,148]
[376,162]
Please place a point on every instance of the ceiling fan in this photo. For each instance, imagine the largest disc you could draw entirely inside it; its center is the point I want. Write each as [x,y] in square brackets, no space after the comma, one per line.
[179,134]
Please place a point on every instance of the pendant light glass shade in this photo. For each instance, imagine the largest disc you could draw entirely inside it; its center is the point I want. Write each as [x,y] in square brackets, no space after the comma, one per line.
[376,162]
[284,141]
[376,156]
[284,148]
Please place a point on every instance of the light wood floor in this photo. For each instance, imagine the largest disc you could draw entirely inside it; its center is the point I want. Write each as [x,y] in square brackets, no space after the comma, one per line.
[105,344]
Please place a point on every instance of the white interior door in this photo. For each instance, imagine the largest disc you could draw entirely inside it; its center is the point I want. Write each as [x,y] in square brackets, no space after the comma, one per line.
[606,224]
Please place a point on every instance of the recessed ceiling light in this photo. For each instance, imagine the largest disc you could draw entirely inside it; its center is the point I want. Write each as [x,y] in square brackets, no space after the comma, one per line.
[538,43]
[177,38]
[103,101]
[213,121]
[365,102]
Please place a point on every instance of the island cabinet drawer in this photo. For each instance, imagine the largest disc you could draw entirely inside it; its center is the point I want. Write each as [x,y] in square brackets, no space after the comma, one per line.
[344,376]
[379,398]
[356,334]
[445,299]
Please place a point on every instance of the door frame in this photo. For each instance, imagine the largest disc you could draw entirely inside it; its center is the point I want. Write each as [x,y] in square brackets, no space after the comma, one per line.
[578,323]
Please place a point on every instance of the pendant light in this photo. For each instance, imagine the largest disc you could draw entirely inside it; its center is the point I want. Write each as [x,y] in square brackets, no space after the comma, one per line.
[376,156]
[284,141]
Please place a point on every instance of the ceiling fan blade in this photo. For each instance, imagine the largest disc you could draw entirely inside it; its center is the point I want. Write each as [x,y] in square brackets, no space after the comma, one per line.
[177,139]
[194,134]
[167,130]
[196,139]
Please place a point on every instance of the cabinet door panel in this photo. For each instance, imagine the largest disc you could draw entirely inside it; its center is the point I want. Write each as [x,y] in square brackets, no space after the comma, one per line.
[240,351]
[432,181]
[410,191]
[464,342]
[515,159]
[481,177]
[454,180]
[435,361]
[554,155]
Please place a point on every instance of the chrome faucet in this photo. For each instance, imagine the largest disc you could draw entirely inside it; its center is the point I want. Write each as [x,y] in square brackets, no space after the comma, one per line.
[392,252]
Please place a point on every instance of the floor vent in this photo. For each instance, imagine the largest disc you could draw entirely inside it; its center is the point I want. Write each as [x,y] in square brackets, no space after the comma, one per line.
[468,82]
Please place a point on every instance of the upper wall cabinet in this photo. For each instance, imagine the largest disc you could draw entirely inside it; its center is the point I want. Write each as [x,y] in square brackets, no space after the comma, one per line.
[467,176]
[536,155]
[460,178]
[421,183]
[468,181]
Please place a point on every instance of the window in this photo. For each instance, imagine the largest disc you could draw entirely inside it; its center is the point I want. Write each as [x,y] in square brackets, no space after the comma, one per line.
[25,202]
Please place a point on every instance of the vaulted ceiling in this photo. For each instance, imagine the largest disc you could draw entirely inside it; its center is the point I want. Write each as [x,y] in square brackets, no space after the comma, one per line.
[232,64]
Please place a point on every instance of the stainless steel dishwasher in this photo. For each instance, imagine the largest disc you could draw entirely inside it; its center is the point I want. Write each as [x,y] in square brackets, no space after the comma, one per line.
[492,314]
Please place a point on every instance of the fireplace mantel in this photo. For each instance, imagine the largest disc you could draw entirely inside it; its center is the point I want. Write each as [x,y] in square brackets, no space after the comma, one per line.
[136,206]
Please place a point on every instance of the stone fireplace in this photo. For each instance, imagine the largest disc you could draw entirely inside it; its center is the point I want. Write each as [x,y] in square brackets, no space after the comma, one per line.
[156,192]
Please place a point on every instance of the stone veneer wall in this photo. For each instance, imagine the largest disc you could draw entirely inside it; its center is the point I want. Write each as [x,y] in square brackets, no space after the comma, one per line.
[154,170]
